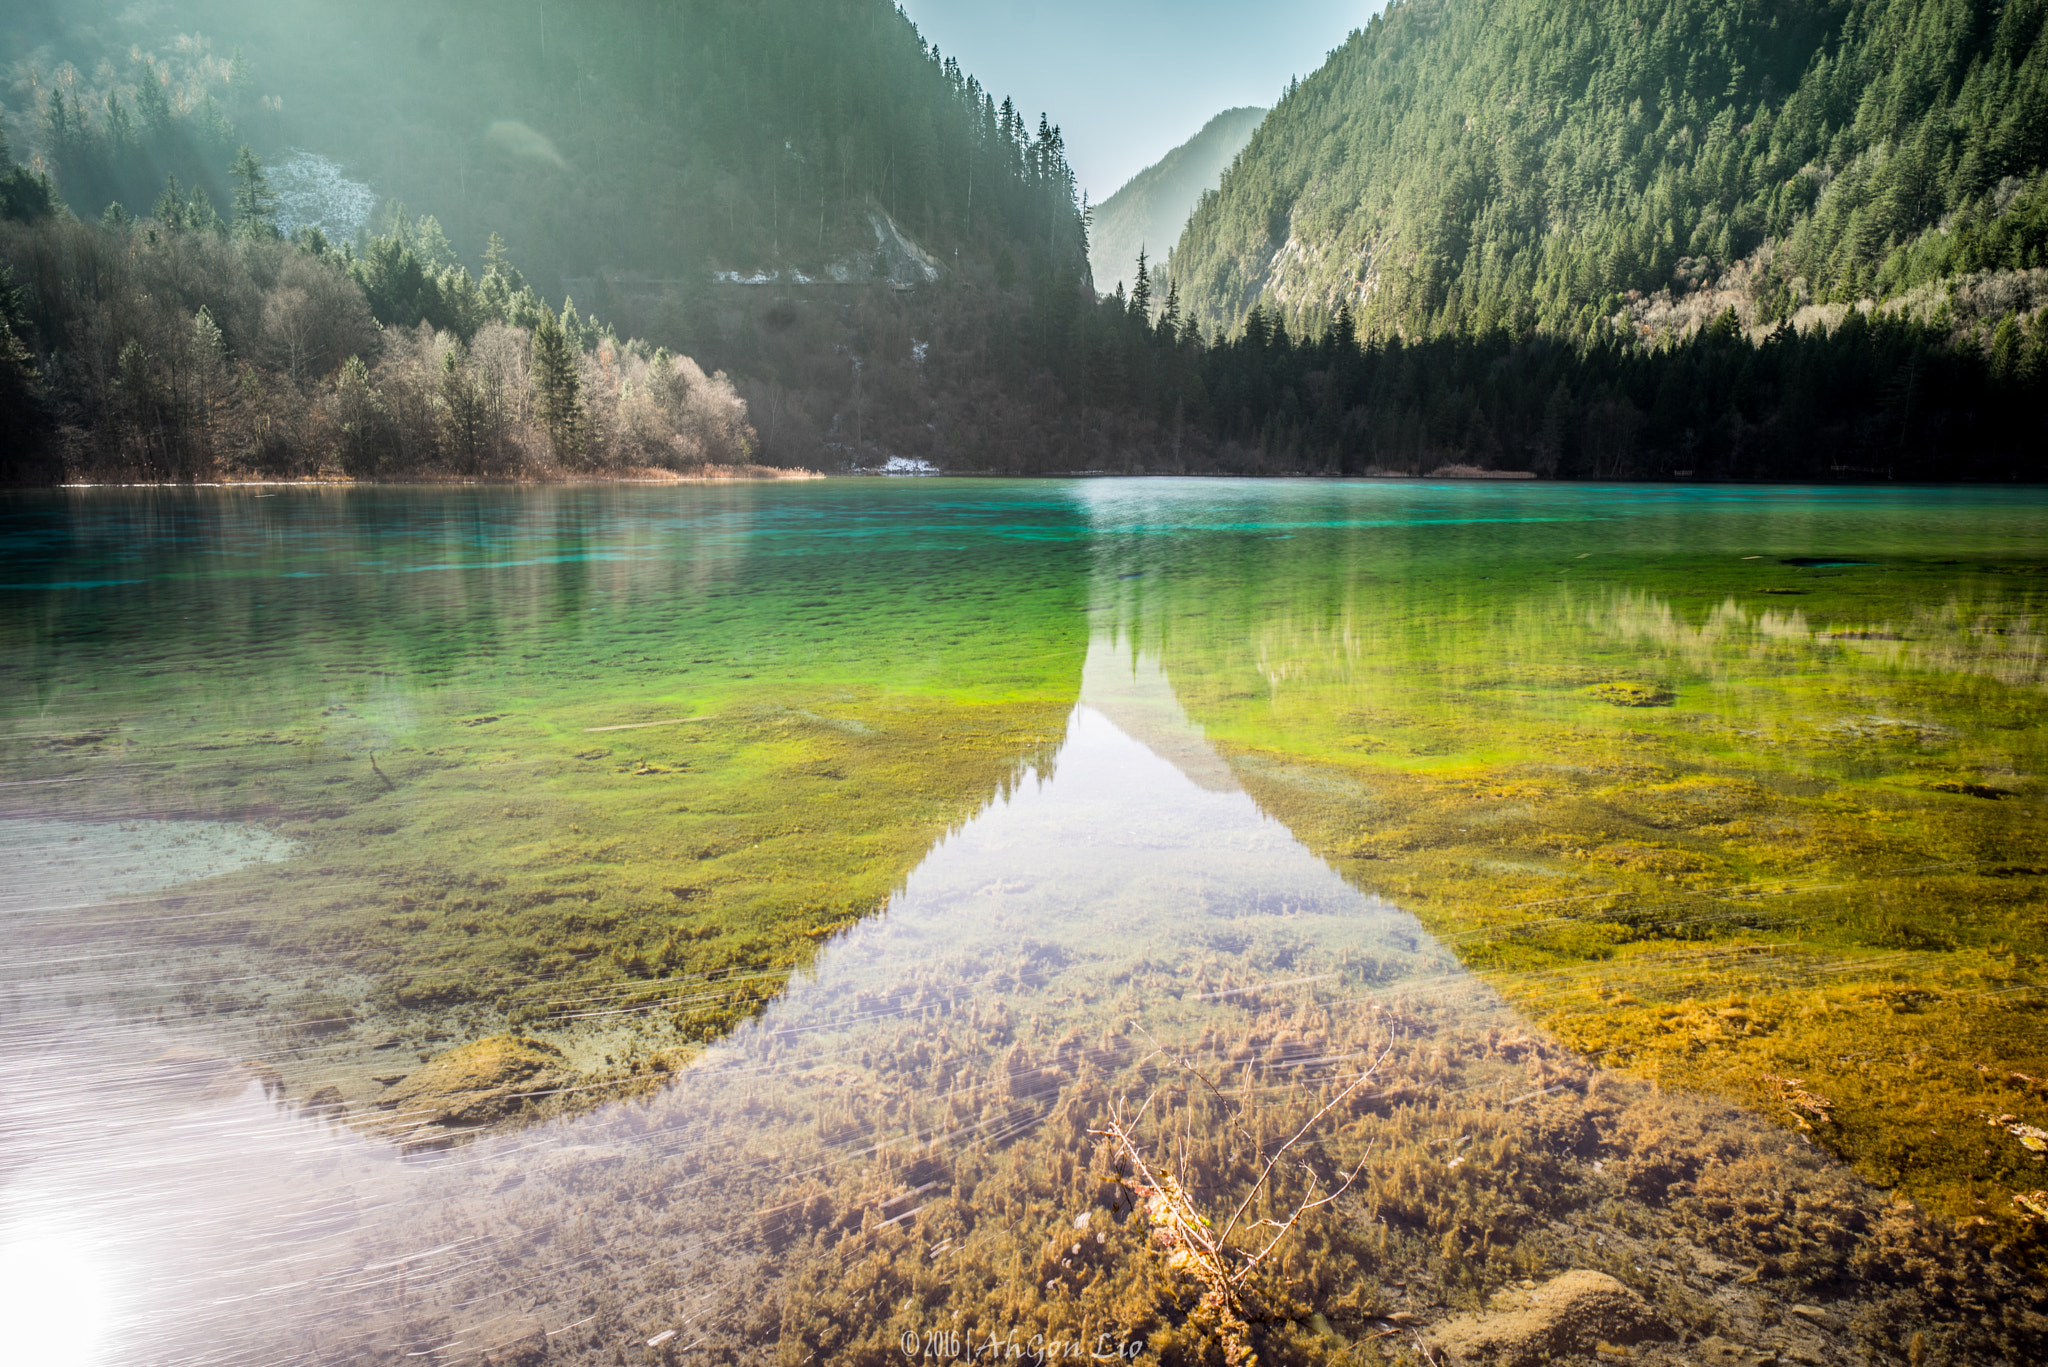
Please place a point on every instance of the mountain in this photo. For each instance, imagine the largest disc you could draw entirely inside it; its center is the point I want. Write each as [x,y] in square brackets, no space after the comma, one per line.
[801,194]
[1517,164]
[602,138]
[1153,206]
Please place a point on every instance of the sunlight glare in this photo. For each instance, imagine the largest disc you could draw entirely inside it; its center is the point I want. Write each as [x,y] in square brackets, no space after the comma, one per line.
[56,1296]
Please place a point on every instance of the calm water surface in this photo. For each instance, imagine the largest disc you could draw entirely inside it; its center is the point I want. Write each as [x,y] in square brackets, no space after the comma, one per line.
[677,925]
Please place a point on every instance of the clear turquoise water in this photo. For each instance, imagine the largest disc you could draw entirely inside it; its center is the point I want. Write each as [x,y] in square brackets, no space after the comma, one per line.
[1164,876]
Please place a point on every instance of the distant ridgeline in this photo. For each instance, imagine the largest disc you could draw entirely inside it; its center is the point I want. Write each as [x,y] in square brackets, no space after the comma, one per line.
[1147,213]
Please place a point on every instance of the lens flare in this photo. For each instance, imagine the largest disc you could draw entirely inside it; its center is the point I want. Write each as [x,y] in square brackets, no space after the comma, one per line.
[56,1295]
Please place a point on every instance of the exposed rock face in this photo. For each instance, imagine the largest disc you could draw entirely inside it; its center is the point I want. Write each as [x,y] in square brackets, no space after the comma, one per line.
[1573,1313]
[480,1082]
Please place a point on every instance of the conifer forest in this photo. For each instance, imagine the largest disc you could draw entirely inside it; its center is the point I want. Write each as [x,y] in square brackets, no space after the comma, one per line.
[1597,240]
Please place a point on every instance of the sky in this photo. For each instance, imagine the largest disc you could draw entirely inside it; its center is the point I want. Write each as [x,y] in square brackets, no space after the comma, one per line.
[1129,80]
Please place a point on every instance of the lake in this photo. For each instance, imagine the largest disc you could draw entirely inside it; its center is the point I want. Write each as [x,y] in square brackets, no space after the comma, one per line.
[856,920]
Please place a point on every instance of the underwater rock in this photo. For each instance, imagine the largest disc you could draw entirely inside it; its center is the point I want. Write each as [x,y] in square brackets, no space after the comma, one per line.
[480,1082]
[1715,1351]
[326,1103]
[1633,694]
[1572,1313]
[1819,1317]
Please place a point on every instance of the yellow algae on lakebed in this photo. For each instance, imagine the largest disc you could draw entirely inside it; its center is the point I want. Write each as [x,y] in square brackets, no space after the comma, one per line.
[555,827]
[1756,828]
[502,872]
[1772,855]
[538,773]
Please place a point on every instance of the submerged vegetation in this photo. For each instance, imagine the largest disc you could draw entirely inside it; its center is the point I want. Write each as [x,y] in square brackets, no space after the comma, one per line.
[911,1163]
[1714,856]
[640,792]
[1707,836]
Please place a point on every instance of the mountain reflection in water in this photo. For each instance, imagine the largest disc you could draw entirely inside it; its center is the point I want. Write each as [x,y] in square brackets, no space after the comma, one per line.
[899,1144]
[1111,888]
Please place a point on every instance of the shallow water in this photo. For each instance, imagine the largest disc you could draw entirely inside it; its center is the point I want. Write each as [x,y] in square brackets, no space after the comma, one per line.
[863,848]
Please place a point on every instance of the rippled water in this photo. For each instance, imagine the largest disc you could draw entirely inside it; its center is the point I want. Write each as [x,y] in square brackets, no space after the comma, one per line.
[717,925]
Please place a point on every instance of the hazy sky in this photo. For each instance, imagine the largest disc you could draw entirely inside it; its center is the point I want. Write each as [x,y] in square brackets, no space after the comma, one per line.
[1128,80]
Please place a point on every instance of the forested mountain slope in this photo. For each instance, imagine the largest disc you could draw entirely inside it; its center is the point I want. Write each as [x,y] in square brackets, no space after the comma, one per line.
[642,150]
[665,139]
[1148,213]
[1528,163]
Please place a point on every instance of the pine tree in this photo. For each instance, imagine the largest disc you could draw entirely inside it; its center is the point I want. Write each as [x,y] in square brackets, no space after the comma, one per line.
[498,258]
[1141,292]
[2005,349]
[201,216]
[209,347]
[21,398]
[361,419]
[151,100]
[466,410]
[170,206]
[209,356]
[120,128]
[255,201]
[25,195]
[57,128]
[556,397]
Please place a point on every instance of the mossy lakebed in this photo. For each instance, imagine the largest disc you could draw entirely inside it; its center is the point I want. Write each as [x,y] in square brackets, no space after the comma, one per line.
[548,762]
[550,846]
[1725,816]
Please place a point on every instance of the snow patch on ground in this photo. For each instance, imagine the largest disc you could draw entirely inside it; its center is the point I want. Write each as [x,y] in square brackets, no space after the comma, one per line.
[897,261]
[313,192]
[907,465]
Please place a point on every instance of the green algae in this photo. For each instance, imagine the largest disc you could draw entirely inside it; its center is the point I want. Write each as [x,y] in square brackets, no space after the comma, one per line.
[561,758]
[1707,838]
[903,1152]
[547,758]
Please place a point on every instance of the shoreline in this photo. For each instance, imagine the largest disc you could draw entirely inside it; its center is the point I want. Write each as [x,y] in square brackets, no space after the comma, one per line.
[776,475]
[702,474]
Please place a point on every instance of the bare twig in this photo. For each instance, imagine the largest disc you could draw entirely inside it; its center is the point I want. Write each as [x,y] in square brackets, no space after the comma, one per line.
[1179,1226]
[1328,1106]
